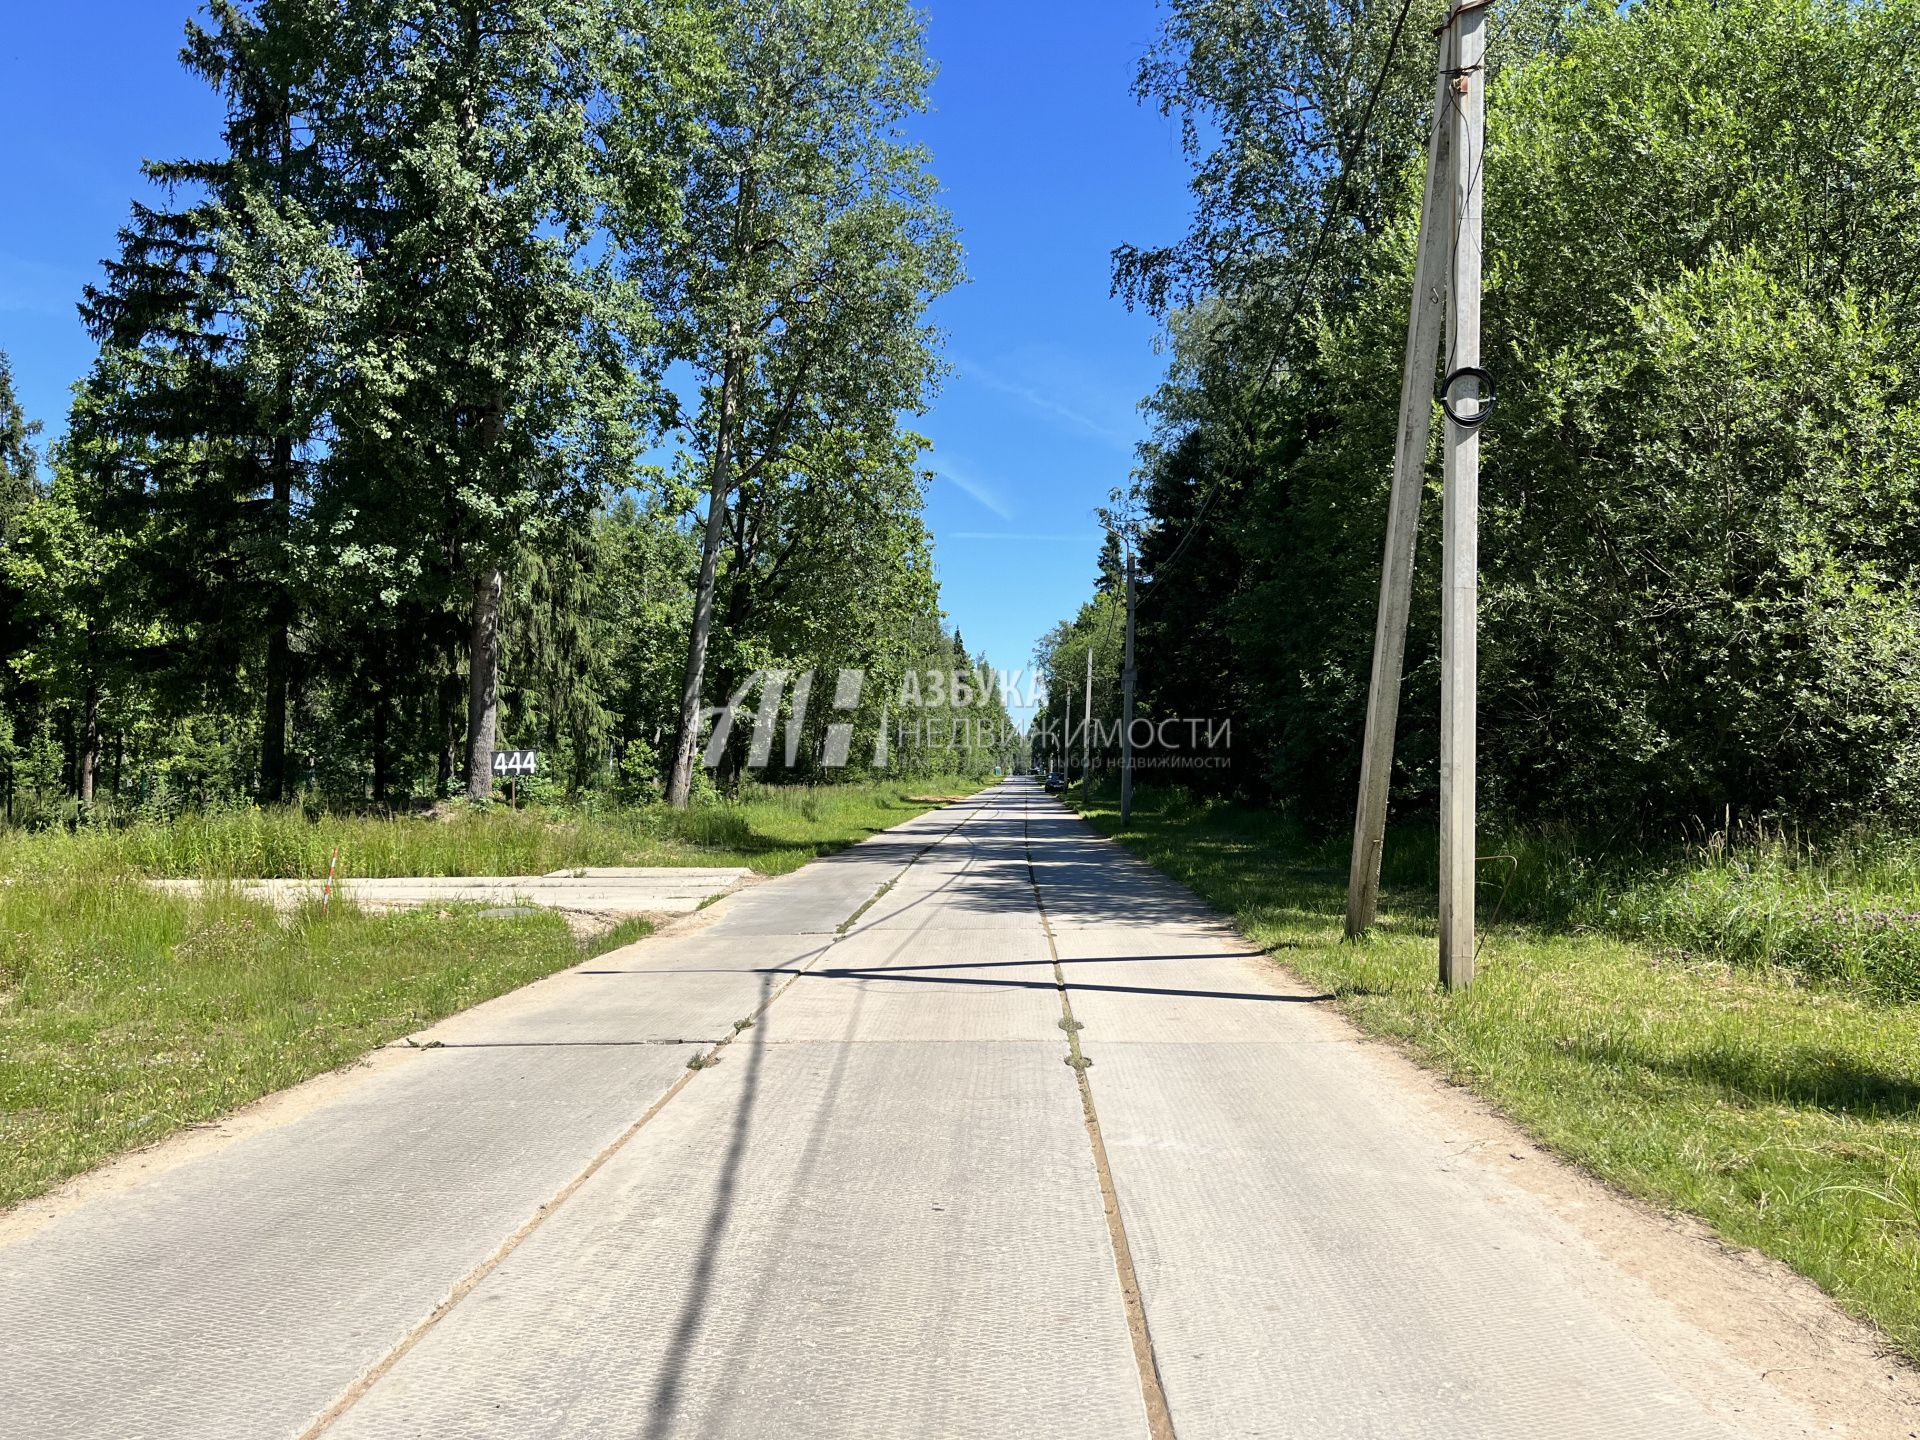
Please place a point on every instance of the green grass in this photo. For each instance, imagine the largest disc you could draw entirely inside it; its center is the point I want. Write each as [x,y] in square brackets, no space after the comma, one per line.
[772,829]
[1714,1077]
[1843,914]
[127,1013]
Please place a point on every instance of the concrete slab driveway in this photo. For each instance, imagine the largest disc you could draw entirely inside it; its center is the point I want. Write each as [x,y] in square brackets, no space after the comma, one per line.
[593,890]
[895,1203]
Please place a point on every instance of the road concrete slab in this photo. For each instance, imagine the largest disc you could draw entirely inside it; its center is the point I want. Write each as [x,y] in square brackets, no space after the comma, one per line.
[815,1240]
[238,1295]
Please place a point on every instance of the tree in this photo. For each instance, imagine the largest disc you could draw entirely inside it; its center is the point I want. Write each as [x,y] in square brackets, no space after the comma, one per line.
[1698,529]
[489,402]
[644,565]
[206,398]
[1111,568]
[793,274]
[371,375]
[1708,444]
[1061,657]
[19,467]
[19,484]
[1272,100]
[81,605]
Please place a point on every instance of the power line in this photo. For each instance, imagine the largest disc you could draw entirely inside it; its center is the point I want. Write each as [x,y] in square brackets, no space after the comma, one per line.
[1334,207]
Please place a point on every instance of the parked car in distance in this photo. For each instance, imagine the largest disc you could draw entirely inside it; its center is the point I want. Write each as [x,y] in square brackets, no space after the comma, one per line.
[1056,782]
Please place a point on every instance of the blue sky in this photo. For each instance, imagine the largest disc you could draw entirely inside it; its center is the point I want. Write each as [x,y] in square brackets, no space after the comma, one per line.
[1047,160]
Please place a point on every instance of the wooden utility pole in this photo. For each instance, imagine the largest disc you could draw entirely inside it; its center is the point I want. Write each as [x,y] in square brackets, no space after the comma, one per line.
[1424,324]
[1086,731]
[1446,279]
[1126,707]
[1460,522]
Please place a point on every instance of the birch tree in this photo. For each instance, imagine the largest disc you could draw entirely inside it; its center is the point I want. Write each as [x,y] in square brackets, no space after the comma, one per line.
[793,275]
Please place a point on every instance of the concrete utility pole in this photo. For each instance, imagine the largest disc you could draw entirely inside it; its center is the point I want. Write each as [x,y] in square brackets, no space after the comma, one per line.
[1459,582]
[1424,325]
[1066,741]
[1126,708]
[1446,276]
[1086,730]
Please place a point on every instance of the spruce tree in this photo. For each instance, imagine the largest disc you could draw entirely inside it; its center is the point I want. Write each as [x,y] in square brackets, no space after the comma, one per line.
[19,466]
[205,401]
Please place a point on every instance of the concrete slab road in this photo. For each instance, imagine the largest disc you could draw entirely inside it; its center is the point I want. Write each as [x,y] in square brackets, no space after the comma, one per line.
[892,1205]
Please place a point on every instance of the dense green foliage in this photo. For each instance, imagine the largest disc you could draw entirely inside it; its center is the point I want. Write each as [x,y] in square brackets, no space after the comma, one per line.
[385,460]
[1700,536]
[791,270]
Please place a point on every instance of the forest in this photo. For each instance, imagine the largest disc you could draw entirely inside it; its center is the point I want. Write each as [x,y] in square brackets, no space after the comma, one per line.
[1699,529]
[517,374]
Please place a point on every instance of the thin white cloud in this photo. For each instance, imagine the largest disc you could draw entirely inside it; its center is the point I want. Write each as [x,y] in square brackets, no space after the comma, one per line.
[1046,404]
[971,485]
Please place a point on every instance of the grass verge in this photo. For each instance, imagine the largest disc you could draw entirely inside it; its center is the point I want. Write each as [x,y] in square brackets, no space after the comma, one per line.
[770,829]
[127,1014]
[1785,1114]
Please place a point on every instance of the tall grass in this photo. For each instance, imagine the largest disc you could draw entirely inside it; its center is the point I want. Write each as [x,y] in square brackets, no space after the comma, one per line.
[1842,913]
[772,829]
[127,1012]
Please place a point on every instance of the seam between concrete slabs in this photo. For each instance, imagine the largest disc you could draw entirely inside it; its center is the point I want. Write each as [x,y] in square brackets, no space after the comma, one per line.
[1152,1393]
[372,1376]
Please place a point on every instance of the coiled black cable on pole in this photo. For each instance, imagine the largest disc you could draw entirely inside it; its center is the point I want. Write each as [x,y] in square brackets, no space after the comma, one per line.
[1484,381]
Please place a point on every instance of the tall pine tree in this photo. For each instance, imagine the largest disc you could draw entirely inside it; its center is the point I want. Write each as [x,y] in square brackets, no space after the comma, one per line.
[205,404]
